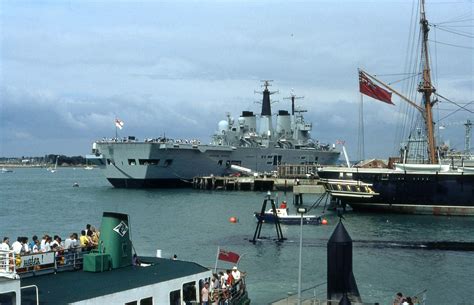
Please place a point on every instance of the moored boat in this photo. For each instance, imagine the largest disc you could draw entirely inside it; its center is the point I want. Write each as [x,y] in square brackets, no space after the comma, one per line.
[285,218]
[418,182]
[165,162]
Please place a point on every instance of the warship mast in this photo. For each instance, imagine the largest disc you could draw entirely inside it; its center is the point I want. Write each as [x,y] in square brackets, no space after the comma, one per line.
[266,128]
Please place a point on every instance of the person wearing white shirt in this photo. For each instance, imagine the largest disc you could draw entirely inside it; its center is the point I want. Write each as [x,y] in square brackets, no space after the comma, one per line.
[236,273]
[17,246]
[5,245]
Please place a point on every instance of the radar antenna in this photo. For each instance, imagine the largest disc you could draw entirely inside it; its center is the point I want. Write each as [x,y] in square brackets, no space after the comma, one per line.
[266,108]
[293,97]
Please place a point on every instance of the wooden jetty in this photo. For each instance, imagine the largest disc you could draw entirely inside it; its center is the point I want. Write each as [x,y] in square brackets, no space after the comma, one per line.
[260,183]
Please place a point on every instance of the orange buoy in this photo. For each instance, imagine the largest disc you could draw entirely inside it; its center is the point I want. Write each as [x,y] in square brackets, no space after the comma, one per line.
[233,219]
[324,221]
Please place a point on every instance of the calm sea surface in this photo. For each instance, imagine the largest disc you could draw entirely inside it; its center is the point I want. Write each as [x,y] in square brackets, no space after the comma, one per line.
[194,223]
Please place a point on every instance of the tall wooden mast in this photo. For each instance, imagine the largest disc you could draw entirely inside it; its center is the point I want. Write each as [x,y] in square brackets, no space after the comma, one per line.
[426,87]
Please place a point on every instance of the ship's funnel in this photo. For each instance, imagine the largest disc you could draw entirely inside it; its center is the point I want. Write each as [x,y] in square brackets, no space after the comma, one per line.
[249,121]
[340,278]
[283,125]
[115,239]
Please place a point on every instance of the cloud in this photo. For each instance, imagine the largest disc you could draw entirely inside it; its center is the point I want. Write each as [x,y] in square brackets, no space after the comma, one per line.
[68,69]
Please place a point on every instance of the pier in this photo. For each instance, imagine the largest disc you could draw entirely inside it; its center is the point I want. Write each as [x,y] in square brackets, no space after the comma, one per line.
[265,183]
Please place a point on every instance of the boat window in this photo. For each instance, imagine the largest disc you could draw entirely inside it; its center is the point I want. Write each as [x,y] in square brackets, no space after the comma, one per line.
[146,301]
[189,292]
[8,298]
[175,297]
[132,162]
[168,162]
[131,303]
[219,162]
[148,161]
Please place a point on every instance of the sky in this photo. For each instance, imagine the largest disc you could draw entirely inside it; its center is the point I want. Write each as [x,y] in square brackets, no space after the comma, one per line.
[174,68]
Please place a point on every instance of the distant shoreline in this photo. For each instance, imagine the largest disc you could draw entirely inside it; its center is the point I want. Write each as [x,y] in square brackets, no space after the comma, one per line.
[9,165]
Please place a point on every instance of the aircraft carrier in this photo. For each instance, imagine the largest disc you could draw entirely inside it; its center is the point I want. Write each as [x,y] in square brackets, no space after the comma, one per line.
[165,162]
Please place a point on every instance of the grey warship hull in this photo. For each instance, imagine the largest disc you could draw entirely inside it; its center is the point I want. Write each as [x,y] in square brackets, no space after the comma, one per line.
[164,162]
[154,165]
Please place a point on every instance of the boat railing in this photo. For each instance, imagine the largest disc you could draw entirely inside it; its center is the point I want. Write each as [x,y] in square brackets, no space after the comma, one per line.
[234,294]
[7,264]
[49,262]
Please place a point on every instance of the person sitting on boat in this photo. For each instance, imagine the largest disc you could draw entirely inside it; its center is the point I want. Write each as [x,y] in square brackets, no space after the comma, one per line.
[26,247]
[205,294]
[4,261]
[283,205]
[46,246]
[230,279]
[71,243]
[33,242]
[56,243]
[43,241]
[95,235]
[17,246]
[236,274]
[36,246]
[214,282]
[398,300]
[84,239]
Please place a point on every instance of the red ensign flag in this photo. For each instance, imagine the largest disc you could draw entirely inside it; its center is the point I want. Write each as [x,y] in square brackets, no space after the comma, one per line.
[228,256]
[367,87]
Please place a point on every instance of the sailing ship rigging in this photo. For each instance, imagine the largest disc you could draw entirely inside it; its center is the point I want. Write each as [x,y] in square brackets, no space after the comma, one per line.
[409,185]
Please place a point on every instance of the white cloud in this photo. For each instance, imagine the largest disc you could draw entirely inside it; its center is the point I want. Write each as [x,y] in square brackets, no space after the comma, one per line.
[69,69]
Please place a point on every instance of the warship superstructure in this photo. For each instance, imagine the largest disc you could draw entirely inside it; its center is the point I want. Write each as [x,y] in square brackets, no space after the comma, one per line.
[164,162]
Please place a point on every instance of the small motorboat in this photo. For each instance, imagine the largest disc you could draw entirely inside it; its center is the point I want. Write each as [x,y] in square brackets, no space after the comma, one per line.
[6,170]
[285,218]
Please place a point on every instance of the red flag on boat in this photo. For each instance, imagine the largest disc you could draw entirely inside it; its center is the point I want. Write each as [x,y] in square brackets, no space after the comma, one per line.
[367,87]
[228,256]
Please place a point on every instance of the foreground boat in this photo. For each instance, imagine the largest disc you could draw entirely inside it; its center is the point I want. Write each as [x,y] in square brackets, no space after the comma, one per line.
[110,275]
[410,185]
[164,162]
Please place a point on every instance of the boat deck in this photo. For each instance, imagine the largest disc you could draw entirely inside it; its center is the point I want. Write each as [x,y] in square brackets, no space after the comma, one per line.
[78,285]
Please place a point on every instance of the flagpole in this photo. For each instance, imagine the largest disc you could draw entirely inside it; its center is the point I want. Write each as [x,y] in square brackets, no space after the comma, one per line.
[361,144]
[116,131]
[217,257]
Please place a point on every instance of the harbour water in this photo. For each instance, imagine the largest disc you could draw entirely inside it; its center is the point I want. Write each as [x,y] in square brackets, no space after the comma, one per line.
[193,223]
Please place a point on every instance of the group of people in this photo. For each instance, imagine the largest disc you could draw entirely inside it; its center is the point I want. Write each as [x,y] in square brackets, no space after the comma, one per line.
[88,240]
[400,299]
[221,287]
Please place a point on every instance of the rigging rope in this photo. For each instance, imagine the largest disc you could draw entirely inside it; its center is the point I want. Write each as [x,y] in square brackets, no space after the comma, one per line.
[452,45]
[448,115]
